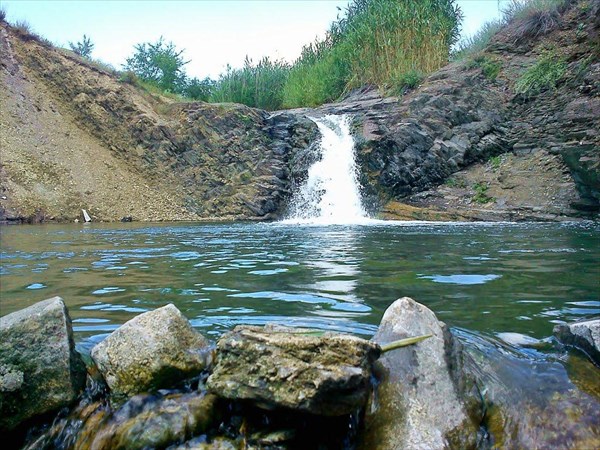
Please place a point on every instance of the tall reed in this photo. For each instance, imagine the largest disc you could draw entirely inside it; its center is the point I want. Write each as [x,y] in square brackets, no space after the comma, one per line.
[259,85]
[375,42]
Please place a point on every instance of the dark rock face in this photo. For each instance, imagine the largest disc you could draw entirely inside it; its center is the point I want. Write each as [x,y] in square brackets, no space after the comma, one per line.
[152,351]
[584,335]
[277,367]
[40,370]
[419,402]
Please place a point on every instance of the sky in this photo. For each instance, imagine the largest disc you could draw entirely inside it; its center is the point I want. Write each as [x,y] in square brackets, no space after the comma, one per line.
[213,33]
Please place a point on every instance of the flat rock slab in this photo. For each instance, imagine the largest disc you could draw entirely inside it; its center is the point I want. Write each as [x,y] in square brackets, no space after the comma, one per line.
[584,335]
[277,367]
[40,370]
[152,351]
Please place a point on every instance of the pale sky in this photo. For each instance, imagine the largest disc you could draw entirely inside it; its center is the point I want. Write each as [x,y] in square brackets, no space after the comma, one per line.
[212,32]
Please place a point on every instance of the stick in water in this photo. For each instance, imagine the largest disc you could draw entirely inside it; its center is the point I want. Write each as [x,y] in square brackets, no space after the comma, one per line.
[404,342]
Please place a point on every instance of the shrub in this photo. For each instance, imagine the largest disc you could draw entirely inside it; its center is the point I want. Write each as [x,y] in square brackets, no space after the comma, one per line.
[495,162]
[456,182]
[158,63]
[196,89]
[481,193]
[533,18]
[544,74]
[478,41]
[408,81]
[375,42]
[490,67]
[258,85]
[23,27]
[83,48]
[129,77]
[2,14]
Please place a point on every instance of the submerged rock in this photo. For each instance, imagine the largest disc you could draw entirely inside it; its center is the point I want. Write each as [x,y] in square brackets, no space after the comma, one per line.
[531,402]
[584,335]
[40,370]
[153,350]
[277,367]
[417,405]
[148,421]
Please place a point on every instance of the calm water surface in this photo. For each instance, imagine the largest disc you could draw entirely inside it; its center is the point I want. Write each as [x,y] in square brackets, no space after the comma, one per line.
[508,281]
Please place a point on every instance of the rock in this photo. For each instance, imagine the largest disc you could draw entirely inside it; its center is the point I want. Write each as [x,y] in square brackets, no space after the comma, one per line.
[278,367]
[151,351]
[584,335]
[534,403]
[40,371]
[148,421]
[417,405]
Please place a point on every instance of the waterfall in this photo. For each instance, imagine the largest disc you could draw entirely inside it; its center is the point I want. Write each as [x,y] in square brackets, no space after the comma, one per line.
[331,193]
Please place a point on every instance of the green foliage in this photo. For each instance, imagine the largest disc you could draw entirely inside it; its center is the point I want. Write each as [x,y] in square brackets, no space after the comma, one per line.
[481,193]
[160,64]
[543,75]
[529,18]
[196,89]
[23,27]
[495,162]
[490,67]
[317,80]
[83,48]
[478,41]
[408,81]
[532,18]
[456,182]
[378,42]
[259,85]
[129,77]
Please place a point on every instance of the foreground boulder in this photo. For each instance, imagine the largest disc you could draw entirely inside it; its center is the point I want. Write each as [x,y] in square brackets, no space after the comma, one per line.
[417,405]
[144,421]
[276,367]
[40,370]
[152,351]
[584,335]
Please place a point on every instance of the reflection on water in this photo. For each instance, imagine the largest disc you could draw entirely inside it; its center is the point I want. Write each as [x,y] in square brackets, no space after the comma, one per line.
[499,280]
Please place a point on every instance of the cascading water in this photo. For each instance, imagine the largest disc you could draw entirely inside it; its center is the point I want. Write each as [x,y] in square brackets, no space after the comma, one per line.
[331,193]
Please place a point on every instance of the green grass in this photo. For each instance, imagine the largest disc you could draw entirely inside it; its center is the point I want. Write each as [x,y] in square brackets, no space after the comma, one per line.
[477,42]
[481,193]
[490,66]
[456,182]
[258,85]
[386,43]
[495,162]
[528,19]
[544,75]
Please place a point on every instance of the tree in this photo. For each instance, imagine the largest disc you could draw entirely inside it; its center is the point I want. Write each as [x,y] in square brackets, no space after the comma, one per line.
[83,48]
[159,63]
[197,89]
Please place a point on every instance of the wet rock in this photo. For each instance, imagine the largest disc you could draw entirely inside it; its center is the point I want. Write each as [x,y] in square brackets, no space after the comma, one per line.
[417,405]
[530,401]
[149,421]
[40,370]
[153,350]
[277,367]
[584,335]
